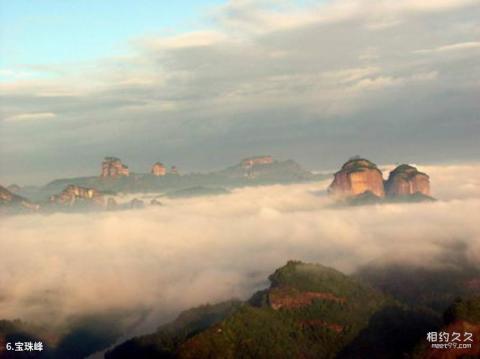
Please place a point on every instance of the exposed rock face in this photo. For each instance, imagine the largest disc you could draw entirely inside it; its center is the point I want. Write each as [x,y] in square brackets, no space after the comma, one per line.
[257,160]
[317,312]
[291,298]
[9,199]
[113,167]
[70,195]
[158,169]
[357,176]
[6,196]
[252,165]
[407,180]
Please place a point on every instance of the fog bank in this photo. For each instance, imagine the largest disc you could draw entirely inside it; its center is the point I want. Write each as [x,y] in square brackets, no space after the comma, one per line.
[206,249]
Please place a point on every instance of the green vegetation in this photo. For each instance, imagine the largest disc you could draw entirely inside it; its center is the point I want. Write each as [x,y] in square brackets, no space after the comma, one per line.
[462,309]
[318,328]
[358,164]
[406,171]
[236,176]
[167,339]
[431,288]
[77,338]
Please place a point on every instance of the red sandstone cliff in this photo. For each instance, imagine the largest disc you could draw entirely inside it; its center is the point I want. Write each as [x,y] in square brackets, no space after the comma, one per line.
[257,160]
[113,167]
[158,169]
[407,180]
[9,199]
[291,298]
[70,195]
[357,176]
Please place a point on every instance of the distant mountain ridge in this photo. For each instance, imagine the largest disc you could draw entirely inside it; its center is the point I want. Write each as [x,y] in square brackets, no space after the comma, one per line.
[259,171]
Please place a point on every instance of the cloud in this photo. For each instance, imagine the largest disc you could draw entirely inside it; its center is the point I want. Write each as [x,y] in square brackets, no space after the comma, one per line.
[452,47]
[193,251]
[31,116]
[266,76]
[188,40]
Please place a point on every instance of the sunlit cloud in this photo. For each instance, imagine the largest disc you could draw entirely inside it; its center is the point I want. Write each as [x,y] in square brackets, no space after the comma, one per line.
[452,47]
[198,250]
[36,116]
[281,75]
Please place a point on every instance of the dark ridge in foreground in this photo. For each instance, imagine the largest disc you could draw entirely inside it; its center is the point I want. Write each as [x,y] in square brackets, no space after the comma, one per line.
[309,311]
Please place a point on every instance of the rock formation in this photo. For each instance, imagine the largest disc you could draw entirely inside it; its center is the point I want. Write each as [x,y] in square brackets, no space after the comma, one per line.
[70,195]
[309,311]
[6,196]
[407,180]
[11,200]
[356,177]
[113,167]
[158,169]
[292,298]
[257,160]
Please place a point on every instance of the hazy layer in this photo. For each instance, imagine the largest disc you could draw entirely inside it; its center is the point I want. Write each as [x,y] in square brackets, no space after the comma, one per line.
[192,251]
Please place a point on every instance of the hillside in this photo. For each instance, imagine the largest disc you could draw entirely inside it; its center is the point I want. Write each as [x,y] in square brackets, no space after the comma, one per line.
[236,176]
[309,311]
[421,285]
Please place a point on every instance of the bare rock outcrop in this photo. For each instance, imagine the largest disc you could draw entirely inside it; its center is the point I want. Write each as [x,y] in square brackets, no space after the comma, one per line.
[158,169]
[73,194]
[257,160]
[12,200]
[113,167]
[407,180]
[356,177]
[292,298]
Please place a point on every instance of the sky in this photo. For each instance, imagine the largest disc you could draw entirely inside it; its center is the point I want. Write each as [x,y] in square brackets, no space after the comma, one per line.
[202,84]
[56,31]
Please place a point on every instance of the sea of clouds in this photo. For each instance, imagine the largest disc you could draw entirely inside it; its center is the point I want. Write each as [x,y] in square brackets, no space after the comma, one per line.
[192,251]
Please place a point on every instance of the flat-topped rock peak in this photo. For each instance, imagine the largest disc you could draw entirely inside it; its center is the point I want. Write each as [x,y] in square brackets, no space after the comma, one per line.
[357,176]
[407,180]
[360,177]
[113,167]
